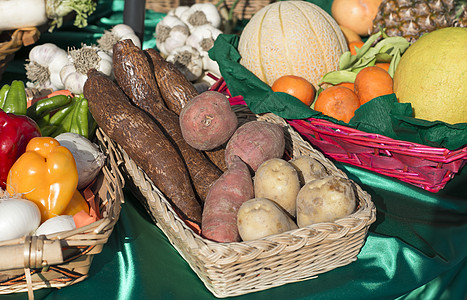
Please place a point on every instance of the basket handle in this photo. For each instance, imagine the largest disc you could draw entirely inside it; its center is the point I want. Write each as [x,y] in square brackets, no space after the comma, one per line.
[36,252]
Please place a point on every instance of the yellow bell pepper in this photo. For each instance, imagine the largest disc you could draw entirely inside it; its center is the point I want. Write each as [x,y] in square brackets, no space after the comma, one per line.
[77,204]
[46,174]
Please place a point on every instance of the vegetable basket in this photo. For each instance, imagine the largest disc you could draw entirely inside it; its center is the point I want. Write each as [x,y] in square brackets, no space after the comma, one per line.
[423,166]
[12,41]
[61,259]
[237,268]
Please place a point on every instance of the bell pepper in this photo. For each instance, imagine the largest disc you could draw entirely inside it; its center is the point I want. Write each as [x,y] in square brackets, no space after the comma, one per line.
[46,174]
[15,133]
[15,101]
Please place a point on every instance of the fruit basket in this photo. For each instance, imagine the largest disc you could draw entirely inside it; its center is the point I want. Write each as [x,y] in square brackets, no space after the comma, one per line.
[12,41]
[423,166]
[237,268]
[61,259]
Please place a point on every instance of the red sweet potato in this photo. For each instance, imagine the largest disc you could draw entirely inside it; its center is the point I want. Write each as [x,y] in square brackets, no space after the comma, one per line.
[219,219]
[207,121]
[255,142]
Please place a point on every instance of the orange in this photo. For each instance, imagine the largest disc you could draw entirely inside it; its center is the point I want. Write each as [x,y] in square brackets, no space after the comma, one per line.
[354,44]
[338,102]
[349,85]
[296,86]
[372,82]
[384,66]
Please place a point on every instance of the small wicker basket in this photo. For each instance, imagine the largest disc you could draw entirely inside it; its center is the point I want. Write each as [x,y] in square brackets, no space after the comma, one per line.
[231,269]
[12,41]
[62,259]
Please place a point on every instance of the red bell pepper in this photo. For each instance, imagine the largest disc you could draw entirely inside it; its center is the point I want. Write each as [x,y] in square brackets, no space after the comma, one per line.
[15,133]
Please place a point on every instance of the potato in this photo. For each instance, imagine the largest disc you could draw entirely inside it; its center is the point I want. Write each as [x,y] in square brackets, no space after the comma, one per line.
[261,217]
[308,168]
[325,200]
[278,180]
[207,121]
[255,142]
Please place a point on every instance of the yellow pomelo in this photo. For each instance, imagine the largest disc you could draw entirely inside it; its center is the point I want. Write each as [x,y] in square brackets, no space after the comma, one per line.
[291,38]
[432,76]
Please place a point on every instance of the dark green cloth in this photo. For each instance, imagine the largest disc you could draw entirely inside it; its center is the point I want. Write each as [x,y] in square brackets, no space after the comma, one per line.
[416,249]
[383,115]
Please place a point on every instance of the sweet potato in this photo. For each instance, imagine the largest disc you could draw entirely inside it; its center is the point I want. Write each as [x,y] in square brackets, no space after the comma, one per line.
[175,88]
[132,69]
[143,141]
[208,121]
[235,186]
[255,142]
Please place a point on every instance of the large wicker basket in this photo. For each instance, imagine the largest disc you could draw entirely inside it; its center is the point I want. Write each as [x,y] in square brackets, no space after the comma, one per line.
[231,269]
[62,259]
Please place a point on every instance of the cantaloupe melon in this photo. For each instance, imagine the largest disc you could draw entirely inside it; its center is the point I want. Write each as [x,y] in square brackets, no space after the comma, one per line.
[291,38]
[432,76]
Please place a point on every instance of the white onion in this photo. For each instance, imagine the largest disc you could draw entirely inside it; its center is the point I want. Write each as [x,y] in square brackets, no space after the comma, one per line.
[89,159]
[56,224]
[18,217]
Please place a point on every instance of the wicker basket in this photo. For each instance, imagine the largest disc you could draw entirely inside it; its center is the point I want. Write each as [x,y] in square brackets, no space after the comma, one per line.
[243,10]
[423,166]
[12,41]
[231,269]
[62,259]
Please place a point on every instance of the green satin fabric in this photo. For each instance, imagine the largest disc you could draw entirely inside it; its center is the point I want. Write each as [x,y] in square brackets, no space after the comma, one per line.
[416,249]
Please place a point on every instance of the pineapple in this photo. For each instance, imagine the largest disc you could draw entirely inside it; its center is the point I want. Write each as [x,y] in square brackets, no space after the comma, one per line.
[411,19]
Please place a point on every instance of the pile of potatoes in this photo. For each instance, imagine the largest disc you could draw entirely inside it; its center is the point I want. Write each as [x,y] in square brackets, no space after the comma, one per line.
[260,193]
[293,194]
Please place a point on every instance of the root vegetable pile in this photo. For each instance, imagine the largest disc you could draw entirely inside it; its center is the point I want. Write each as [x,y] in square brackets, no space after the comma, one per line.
[174,133]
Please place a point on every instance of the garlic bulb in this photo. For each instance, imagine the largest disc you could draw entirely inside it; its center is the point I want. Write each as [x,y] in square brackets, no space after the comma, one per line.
[171,33]
[201,13]
[119,32]
[74,74]
[18,217]
[188,60]
[177,11]
[56,224]
[202,38]
[88,157]
[45,63]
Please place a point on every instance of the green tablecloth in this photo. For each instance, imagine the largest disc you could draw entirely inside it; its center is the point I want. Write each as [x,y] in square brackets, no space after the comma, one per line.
[417,249]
